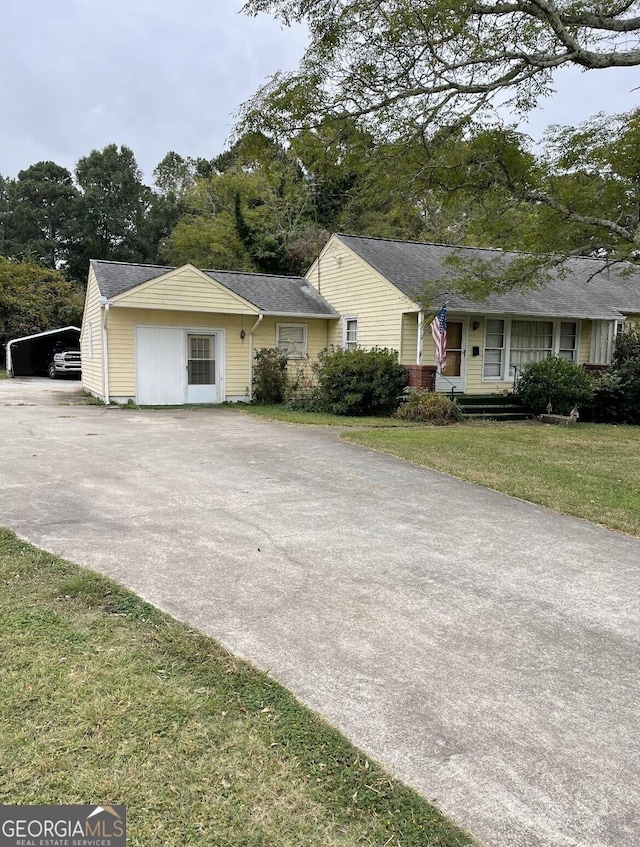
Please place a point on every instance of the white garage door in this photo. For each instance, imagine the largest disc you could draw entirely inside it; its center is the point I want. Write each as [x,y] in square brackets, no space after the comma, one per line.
[160,366]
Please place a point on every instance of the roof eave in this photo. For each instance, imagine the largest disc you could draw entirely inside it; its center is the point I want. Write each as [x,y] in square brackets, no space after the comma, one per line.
[300,314]
[13,341]
[479,309]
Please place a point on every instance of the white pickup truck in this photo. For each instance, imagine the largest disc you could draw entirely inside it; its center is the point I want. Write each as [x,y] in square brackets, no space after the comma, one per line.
[65,363]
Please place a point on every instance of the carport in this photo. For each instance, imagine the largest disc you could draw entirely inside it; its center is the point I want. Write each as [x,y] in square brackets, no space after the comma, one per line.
[31,354]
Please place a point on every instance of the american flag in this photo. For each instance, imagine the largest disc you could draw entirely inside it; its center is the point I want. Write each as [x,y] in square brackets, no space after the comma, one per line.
[439,333]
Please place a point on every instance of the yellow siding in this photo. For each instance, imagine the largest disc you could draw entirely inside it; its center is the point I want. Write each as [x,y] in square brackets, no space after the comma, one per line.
[475,383]
[584,346]
[185,289]
[92,365]
[122,323]
[318,332]
[354,288]
[409,346]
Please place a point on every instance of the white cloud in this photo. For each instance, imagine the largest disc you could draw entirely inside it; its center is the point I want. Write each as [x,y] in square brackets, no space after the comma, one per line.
[154,76]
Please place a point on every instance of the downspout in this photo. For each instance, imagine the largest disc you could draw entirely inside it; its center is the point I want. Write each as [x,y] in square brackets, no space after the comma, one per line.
[9,360]
[252,330]
[105,352]
[420,338]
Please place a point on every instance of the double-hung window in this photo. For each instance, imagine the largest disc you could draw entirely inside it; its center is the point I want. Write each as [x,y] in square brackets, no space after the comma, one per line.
[568,345]
[513,343]
[494,350]
[531,341]
[291,339]
[350,332]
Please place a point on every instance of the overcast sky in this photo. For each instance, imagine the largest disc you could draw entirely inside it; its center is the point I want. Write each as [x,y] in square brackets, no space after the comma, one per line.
[76,75]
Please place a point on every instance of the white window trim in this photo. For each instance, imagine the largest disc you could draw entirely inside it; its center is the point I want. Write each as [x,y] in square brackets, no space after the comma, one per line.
[505,376]
[345,320]
[304,338]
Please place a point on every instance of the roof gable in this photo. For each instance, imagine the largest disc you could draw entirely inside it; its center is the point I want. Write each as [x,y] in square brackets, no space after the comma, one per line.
[184,289]
[155,286]
[338,248]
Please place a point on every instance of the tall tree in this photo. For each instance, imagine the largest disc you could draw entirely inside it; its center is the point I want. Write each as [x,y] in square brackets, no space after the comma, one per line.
[5,216]
[112,209]
[43,205]
[255,212]
[173,178]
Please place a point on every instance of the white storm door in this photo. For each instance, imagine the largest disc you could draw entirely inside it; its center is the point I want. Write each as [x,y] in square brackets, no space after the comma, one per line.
[453,374]
[202,379]
[160,371]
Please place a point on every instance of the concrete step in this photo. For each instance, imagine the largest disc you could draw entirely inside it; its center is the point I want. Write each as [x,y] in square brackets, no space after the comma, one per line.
[515,414]
[485,400]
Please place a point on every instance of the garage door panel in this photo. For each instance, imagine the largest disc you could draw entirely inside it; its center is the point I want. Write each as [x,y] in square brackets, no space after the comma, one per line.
[160,366]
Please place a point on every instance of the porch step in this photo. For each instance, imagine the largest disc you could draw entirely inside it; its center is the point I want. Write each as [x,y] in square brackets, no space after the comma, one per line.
[495,407]
[488,414]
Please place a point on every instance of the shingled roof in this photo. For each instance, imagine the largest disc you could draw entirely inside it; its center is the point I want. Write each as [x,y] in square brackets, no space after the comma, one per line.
[577,293]
[272,294]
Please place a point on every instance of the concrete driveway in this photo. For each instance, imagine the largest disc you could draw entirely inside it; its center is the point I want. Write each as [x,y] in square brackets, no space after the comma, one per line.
[484,649]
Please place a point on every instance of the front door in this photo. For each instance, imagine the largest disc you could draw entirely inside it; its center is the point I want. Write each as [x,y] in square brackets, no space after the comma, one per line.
[202,381]
[453,374]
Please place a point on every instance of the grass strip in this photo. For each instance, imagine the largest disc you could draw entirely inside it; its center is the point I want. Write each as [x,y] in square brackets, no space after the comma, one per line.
[591,471]
[279,413]
[105,699]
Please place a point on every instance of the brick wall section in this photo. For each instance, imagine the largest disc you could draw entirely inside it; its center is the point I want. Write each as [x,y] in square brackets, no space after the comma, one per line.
[595,370]
[422,376]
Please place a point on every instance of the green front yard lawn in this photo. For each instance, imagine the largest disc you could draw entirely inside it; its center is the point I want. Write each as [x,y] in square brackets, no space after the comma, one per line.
[3,374]
[280,413]
[107,700]
[591,471]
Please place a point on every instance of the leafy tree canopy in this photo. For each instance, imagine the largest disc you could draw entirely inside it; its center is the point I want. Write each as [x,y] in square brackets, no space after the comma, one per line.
[406,66]
[112,210]
[256,211]
[44,204]
[423,80]
[34,299]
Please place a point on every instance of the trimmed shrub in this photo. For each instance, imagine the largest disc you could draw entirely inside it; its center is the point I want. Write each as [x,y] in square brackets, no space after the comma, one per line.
[269,376]
[422,405]
[559,382]
[360,382]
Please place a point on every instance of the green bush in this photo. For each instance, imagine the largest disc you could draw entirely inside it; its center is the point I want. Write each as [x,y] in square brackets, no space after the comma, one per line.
[360,382]
[617,392]
[302,386]
[627,346]
[269,376]
[422,405]
[559,382]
